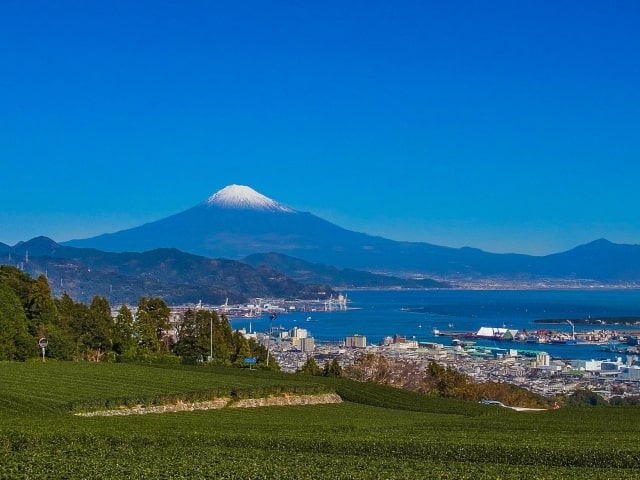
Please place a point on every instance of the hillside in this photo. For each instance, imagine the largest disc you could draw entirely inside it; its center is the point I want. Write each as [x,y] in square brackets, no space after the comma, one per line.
[377,432]
[308,272]
[180,277]
[175,276]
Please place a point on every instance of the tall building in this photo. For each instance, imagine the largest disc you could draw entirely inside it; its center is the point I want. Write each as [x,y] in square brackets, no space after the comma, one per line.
[297,332]
[306,344]
[543,359]
[355,341]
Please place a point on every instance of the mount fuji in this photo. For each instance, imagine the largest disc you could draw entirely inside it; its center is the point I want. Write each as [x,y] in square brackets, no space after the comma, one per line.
[237,222]
[233,223]
[241,197]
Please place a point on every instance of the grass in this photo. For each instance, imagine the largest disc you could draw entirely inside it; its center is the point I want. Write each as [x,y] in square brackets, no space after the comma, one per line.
[378,432]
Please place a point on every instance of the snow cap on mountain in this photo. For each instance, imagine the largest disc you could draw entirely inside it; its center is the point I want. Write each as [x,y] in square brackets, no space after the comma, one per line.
[243,197]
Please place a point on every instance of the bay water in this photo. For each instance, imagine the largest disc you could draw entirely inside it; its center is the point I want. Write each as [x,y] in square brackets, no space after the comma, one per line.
[415,314]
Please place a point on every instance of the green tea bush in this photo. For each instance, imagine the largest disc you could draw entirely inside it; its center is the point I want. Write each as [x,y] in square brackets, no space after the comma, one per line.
[378,432]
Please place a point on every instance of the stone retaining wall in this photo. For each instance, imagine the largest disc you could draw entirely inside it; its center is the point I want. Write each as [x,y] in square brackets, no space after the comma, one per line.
[287,400]
[221,403]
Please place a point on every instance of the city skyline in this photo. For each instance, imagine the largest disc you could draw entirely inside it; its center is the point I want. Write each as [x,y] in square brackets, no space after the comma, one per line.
[500,126]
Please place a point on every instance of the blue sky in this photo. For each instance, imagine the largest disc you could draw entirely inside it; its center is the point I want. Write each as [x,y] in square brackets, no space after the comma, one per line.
[504,125]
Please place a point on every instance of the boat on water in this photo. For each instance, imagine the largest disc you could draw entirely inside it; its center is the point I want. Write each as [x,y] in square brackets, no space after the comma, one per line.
[463,343]
[564,341]
[536,339]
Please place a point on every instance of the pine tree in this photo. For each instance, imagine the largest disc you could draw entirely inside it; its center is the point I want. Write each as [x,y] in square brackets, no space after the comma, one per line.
[310,367]
[332,369]
[152,323]
[194,336]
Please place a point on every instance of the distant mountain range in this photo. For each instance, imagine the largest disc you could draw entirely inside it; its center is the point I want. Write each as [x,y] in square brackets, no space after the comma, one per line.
[175,276]
[238,222]
[183,278]
[307,272]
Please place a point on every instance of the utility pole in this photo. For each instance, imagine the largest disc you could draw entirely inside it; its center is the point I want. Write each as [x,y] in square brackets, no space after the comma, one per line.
[271,319]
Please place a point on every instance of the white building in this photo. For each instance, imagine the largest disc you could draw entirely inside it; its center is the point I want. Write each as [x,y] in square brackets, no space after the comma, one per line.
[602,367]
[631,373]
[586,365]
[543,359]
[297,332]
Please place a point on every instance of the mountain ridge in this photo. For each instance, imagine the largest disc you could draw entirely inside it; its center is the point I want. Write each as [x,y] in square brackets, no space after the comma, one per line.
[303,271]
[218,230]
[168,273]
[181,277]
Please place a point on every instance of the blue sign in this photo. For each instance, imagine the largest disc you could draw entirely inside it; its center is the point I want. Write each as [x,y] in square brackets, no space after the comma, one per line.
[250,360]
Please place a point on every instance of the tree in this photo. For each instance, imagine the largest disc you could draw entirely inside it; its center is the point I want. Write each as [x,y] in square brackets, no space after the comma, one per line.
[370,367]
[332,369]
[62,345]
[123,330]
[310,368]
[447,381]
[146,333]
[67,309]
[585,398]
[40,309]
[195,340]
[18,281]
[259,352]
[64,334]
[152,323]
[15,341]
[242,349]
[222,340]
[194,336]
[98,329]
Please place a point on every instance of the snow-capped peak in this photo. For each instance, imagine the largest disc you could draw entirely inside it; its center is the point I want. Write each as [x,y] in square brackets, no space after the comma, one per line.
[243,197]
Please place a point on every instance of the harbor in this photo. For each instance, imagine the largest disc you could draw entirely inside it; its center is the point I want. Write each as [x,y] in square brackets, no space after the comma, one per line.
[459,329]
[441,316]
[618,341]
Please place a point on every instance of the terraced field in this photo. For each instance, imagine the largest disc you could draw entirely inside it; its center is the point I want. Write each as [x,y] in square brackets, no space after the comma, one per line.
[378,432]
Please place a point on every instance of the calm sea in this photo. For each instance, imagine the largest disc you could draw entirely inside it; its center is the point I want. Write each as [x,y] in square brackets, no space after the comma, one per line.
[415,313]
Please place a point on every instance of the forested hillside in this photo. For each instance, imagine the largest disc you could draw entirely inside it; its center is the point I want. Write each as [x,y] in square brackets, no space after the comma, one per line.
[77,331]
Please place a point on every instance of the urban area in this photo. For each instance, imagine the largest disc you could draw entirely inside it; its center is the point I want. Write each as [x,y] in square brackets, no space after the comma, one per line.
[537,372]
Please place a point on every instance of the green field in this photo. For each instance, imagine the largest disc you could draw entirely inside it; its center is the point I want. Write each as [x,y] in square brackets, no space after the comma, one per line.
[378,432]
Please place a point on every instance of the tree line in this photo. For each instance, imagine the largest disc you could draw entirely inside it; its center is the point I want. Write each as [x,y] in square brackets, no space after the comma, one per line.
[441,381]
[438,380]
[76,331]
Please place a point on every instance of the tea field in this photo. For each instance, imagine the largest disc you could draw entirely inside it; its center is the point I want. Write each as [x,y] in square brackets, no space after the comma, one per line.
[376,433]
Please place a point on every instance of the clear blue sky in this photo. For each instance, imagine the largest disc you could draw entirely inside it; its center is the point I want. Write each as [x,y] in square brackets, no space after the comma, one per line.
[504,125]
